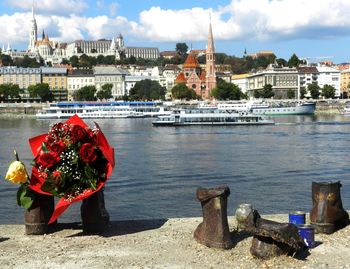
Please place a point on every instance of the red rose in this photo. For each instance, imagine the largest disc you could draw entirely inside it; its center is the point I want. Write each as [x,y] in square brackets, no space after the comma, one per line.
[47,160]
[78,133]
[57,178]
[87,153]
[57,147]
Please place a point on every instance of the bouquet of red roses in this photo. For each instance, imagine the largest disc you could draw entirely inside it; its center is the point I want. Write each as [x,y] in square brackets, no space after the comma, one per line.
[72,161]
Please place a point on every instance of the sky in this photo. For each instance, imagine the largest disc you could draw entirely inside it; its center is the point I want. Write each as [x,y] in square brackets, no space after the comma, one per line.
[314,29]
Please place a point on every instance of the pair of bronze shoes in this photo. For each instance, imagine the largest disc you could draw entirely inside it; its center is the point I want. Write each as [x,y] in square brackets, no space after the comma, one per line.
[270,238]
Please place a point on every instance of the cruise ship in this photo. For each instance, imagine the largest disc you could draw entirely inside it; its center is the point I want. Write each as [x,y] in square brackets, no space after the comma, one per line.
[210,116]
[95,110]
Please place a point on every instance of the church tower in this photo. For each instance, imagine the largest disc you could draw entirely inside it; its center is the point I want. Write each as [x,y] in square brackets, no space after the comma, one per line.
[210,79]
[33,34]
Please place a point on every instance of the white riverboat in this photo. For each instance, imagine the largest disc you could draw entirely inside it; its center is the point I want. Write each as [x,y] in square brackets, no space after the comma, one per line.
[210,116]
[346,110]
[282,109]
[259,108]
[64,110]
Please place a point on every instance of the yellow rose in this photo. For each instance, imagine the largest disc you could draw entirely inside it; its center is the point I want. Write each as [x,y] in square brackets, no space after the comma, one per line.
[17,173]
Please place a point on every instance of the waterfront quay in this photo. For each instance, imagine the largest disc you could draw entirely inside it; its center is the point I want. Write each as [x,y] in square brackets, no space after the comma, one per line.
[30,109]
[163,243]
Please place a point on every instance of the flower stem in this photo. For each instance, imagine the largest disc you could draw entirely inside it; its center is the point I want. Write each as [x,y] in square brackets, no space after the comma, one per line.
[16,155]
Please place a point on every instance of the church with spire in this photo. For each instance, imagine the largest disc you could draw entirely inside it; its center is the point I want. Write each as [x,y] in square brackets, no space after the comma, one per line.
[201,81]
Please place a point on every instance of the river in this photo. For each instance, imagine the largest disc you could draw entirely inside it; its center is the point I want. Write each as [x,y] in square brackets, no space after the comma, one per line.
[158,169]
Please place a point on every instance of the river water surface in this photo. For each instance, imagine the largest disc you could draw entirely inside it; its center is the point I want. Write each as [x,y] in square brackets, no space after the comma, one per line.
[158,169]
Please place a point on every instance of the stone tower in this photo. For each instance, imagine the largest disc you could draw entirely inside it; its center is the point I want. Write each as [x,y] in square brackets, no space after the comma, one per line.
[210,79]
[33,34]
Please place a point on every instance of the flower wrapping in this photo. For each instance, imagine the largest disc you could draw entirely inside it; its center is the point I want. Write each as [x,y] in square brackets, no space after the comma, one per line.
[70,146]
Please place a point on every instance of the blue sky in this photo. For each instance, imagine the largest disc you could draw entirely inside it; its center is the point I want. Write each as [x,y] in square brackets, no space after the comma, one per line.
[309,28]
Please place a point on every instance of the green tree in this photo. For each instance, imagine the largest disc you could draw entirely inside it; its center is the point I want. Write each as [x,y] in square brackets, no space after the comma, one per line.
[9,90]
[106,92]
[6,60]
[181,91]
[302,92]
[74,61]
[226,91]
[328,91]
[181,49]
[267,91]
[147,90]
[41,90]
[291,94]
[281,62]
[294,61]
[314,90]
[86,93]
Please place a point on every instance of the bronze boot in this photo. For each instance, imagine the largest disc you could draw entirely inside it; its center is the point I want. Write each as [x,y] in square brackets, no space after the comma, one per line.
[94,215]
[214,230]
[37,217]
[327,214]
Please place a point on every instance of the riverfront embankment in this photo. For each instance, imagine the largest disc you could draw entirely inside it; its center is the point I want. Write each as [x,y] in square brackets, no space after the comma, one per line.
[155,244]
[28,110]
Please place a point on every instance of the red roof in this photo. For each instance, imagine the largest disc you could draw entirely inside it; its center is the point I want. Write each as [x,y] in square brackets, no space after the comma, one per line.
[191,61]
[180,78]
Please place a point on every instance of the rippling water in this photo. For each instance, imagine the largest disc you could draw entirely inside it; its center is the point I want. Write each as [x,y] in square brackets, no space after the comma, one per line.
[159,168]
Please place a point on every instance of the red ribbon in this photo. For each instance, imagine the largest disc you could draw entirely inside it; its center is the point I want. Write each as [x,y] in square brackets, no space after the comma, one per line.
[36,181]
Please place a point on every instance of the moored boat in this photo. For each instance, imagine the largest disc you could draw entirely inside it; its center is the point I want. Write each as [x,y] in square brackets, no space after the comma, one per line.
[210,116]
[261,108]
[281,110]
[346,110]
[64,110]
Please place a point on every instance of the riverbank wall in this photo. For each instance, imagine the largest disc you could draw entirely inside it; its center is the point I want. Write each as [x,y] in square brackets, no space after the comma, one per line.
[162,243]
[23,110]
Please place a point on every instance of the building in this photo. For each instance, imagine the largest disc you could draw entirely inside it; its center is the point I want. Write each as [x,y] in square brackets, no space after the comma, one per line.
[130,81]
[55,52]
[201,81]
[168,54]
[345,82]
[78,78]
[57,80]
[282,80]
[111,75]
[329,76]
[241,81]
[307,75]
[23,77]
[193,76]
[262,53]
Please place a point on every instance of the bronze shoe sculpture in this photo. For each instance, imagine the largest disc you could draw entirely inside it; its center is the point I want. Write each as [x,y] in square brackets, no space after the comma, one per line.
[94,215]
[214,230]
[327,214]
[272,238]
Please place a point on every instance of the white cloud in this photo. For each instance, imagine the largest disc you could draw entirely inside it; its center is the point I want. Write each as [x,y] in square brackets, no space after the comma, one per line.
[241,19]
[57,7]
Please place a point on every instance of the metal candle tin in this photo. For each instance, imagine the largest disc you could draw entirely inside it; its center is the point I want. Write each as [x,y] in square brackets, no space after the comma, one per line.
[297,217]
[308,234]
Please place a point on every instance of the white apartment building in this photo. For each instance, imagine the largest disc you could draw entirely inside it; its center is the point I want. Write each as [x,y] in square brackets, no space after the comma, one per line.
[78,78]
[330,76]
[111,75]
[281,79]
[130,81]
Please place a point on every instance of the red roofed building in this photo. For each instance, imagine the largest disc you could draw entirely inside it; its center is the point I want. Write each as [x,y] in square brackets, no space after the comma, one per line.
[201,81]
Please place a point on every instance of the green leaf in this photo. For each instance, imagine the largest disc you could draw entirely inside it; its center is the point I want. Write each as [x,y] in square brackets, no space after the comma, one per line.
[25,196]
[44,148]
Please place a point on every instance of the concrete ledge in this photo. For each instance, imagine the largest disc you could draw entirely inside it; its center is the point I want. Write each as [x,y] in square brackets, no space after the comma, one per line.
[154,244]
